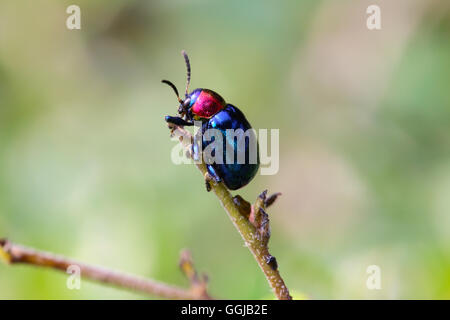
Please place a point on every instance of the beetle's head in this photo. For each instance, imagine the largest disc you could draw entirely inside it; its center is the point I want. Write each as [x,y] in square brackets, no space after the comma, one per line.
[184,107]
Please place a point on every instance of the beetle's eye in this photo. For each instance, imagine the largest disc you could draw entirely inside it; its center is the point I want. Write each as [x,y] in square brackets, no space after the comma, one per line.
[187,102]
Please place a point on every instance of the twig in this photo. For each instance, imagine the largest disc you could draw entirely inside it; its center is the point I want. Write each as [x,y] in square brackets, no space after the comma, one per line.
[251,221]
[13,253]
[199,284]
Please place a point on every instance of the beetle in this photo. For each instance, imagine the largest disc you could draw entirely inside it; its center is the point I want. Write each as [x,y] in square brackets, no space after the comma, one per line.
[210,108]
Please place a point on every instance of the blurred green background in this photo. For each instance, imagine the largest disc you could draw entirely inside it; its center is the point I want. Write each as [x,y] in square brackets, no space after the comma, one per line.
[364,119]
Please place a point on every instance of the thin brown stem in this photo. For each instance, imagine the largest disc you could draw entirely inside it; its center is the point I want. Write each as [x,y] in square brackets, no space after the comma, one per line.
[14,254]
[199,283]
[254,229]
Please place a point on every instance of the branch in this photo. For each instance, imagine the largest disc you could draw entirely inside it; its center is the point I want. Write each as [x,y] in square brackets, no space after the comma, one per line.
[13,254]
[251,221]
[199,285]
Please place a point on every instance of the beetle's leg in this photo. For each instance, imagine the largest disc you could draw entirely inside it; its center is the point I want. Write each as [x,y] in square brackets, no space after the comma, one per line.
[213,173]
[196,152]
[178,121]
[210,176]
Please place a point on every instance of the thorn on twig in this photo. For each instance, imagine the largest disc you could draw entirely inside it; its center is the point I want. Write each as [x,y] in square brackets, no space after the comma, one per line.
[272,262]
[199,284]
[244,206]
[260,219]
[263,195]
[258,216]
[270,200]
[208,186]
[264,226]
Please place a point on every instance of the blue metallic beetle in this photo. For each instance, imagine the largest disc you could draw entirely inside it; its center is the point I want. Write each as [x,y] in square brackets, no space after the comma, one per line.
[211,109]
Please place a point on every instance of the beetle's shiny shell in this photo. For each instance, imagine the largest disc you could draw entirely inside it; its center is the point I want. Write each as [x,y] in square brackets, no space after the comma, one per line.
[235,175]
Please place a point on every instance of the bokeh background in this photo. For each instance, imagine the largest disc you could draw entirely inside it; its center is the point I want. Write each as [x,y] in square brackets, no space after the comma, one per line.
[364,119]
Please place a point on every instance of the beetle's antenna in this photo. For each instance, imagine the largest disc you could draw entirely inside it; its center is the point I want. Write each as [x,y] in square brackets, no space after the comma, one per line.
[188,67]
[174,89]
